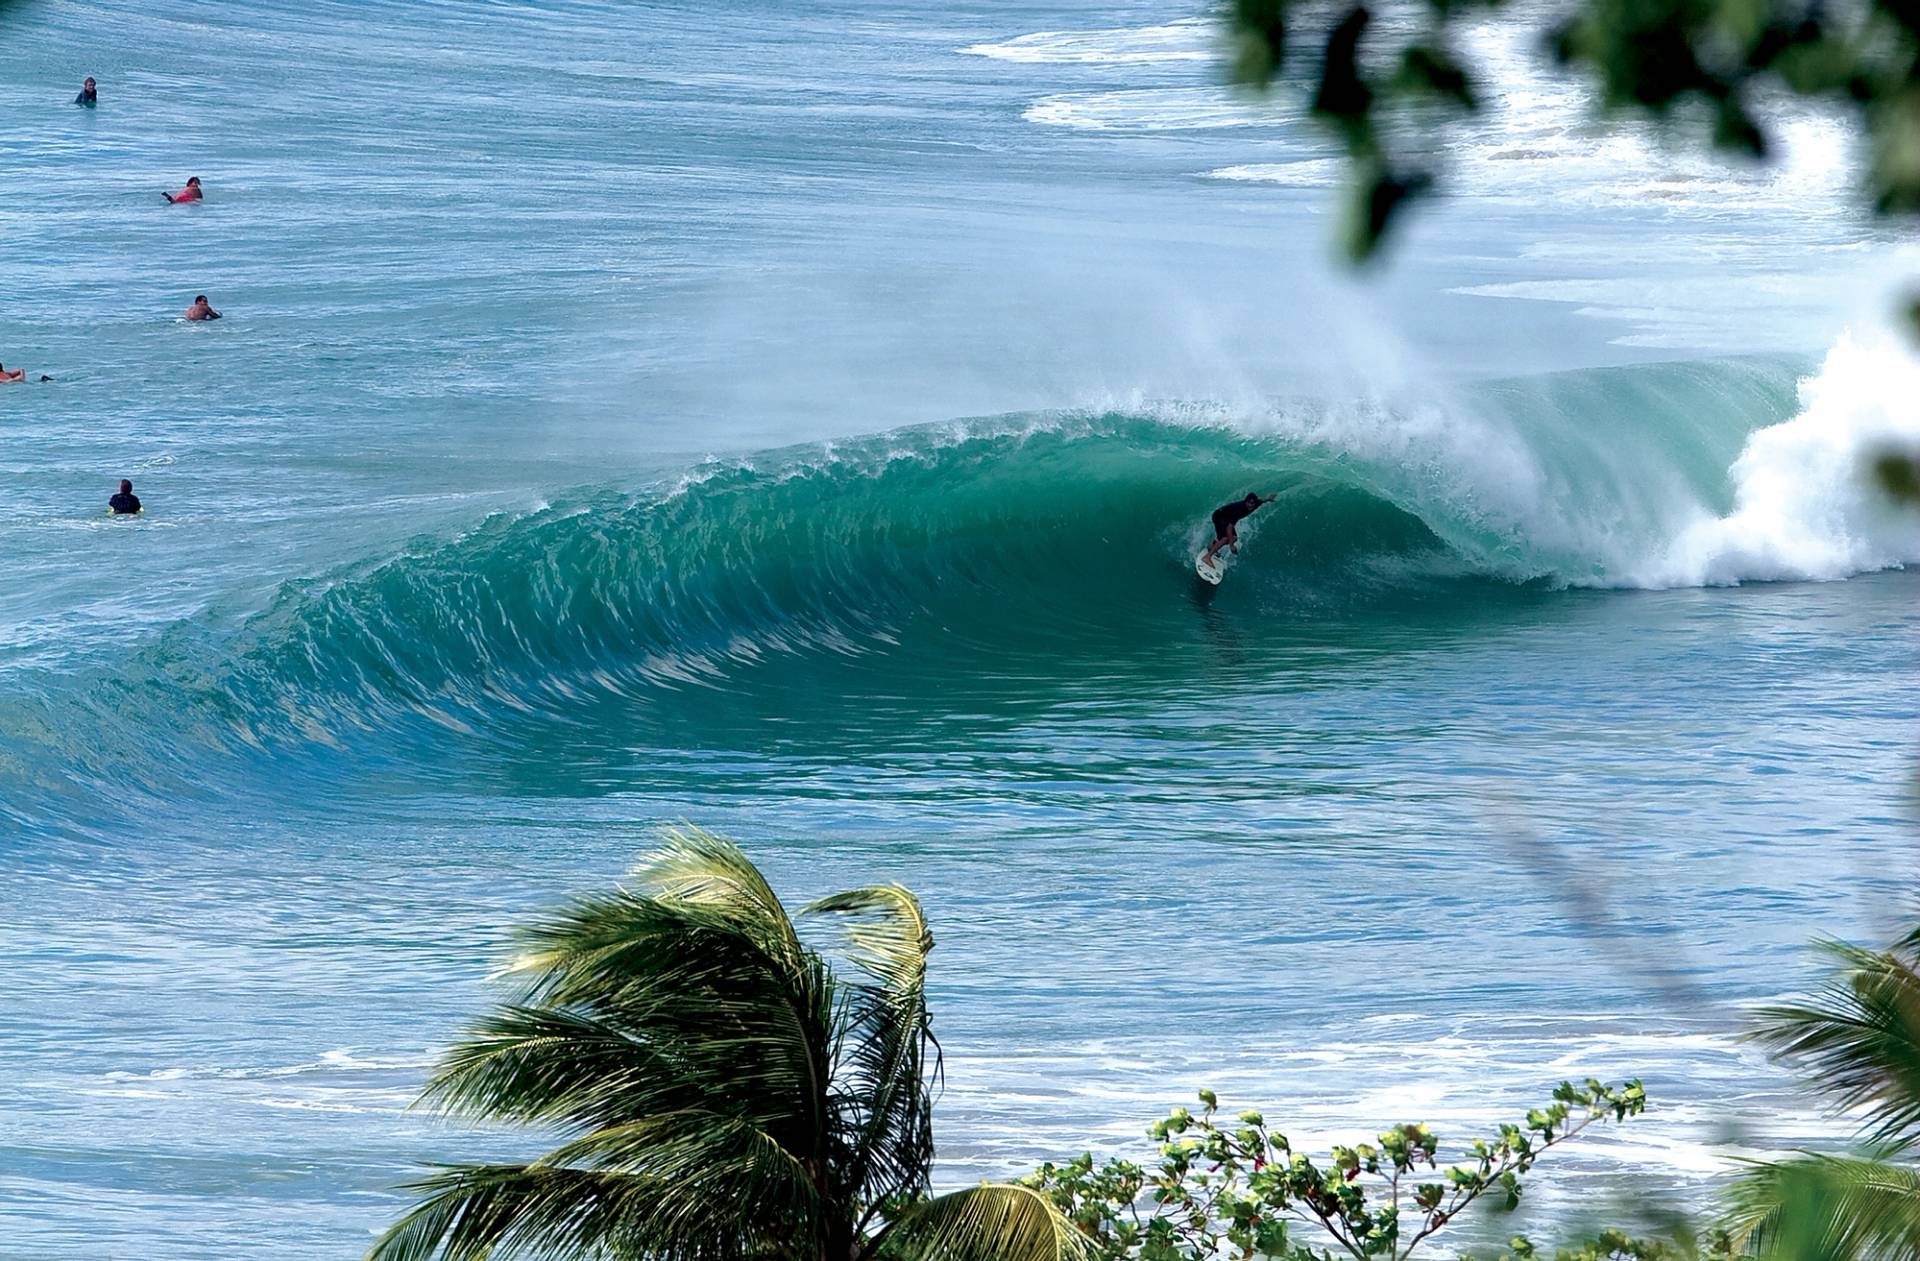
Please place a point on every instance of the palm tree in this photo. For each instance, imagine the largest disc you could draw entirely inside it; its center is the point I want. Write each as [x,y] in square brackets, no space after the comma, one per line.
[719,1091]
[1857,1039]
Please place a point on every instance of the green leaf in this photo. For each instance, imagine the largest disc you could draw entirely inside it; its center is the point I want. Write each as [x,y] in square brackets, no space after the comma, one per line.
[1259,30]
[1431,70]
[1343,95]
[1898,476]
[1814,1208]
[1377,199]
[1857,1039]
[990,1222]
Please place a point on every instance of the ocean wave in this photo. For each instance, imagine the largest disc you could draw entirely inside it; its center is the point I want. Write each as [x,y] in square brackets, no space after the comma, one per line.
[1065,538]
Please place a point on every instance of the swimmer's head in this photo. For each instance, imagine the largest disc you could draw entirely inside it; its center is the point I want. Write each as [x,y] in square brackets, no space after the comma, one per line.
[194,182]
[1252,500]
[126,487]
[199,299]
[88,83]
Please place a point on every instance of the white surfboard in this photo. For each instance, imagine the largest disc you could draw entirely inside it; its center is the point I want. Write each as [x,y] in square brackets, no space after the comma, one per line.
[1213,572]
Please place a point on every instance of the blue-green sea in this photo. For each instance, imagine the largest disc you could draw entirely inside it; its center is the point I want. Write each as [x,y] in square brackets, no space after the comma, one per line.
[799,419]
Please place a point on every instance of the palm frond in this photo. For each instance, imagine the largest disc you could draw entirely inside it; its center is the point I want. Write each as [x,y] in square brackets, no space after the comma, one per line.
[1858,1040]
[545,1064]
[493,1212]
[883,1088]
[994,1221]
[693,867]
[1827,1208]
[548,1213]
[722,1007]
[887,933]
[706,1164]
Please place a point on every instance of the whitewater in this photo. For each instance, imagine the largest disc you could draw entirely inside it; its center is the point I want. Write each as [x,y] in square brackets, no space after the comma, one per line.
[800,420]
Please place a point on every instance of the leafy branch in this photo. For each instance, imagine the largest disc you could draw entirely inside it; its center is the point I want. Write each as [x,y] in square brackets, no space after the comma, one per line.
[1241,1189]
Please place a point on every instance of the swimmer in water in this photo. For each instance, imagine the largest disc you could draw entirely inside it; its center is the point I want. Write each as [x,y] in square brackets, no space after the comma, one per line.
[88,97]
[8,378]
[126,503]
[190,193]
[200,310]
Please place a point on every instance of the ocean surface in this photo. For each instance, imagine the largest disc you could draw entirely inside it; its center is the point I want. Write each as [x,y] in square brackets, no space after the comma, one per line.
[799,419]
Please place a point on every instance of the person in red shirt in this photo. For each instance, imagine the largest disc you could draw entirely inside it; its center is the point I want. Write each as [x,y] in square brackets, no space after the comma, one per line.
[190,193]
[200,310]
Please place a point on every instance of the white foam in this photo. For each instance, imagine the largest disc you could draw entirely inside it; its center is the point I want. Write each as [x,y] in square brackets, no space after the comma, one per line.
[1192,40]
[1306,173]
[1159,109]
[1537,135]
[1804,507]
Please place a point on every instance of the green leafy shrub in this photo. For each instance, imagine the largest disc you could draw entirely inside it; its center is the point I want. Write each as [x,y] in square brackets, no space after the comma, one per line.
[1239,1189]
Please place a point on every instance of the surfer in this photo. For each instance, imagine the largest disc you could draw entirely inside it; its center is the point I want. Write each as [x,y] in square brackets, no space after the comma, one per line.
[188,194]
[88,97]
[126,503]
[1226,523]
[200,310]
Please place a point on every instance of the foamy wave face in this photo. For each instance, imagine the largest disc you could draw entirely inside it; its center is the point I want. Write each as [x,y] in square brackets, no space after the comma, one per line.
[1536,135]
[1804,505]
[1143,45]
[1539,133]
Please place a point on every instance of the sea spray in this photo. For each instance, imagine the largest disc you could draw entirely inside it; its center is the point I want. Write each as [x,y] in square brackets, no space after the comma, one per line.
[1805,505]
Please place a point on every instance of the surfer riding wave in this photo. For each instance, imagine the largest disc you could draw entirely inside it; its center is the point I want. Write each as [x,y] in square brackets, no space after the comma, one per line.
[1226,524]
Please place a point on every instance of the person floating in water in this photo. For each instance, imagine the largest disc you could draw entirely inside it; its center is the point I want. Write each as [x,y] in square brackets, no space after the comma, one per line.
[89,96]
[190,193]
[200,310]
[8,378]
[1226,523]
[126,503]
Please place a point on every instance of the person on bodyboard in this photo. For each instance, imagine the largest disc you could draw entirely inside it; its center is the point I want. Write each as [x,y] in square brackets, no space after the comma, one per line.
[1226,523]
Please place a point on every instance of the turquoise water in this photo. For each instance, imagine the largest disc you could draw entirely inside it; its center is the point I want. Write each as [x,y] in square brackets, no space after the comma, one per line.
[800,420]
